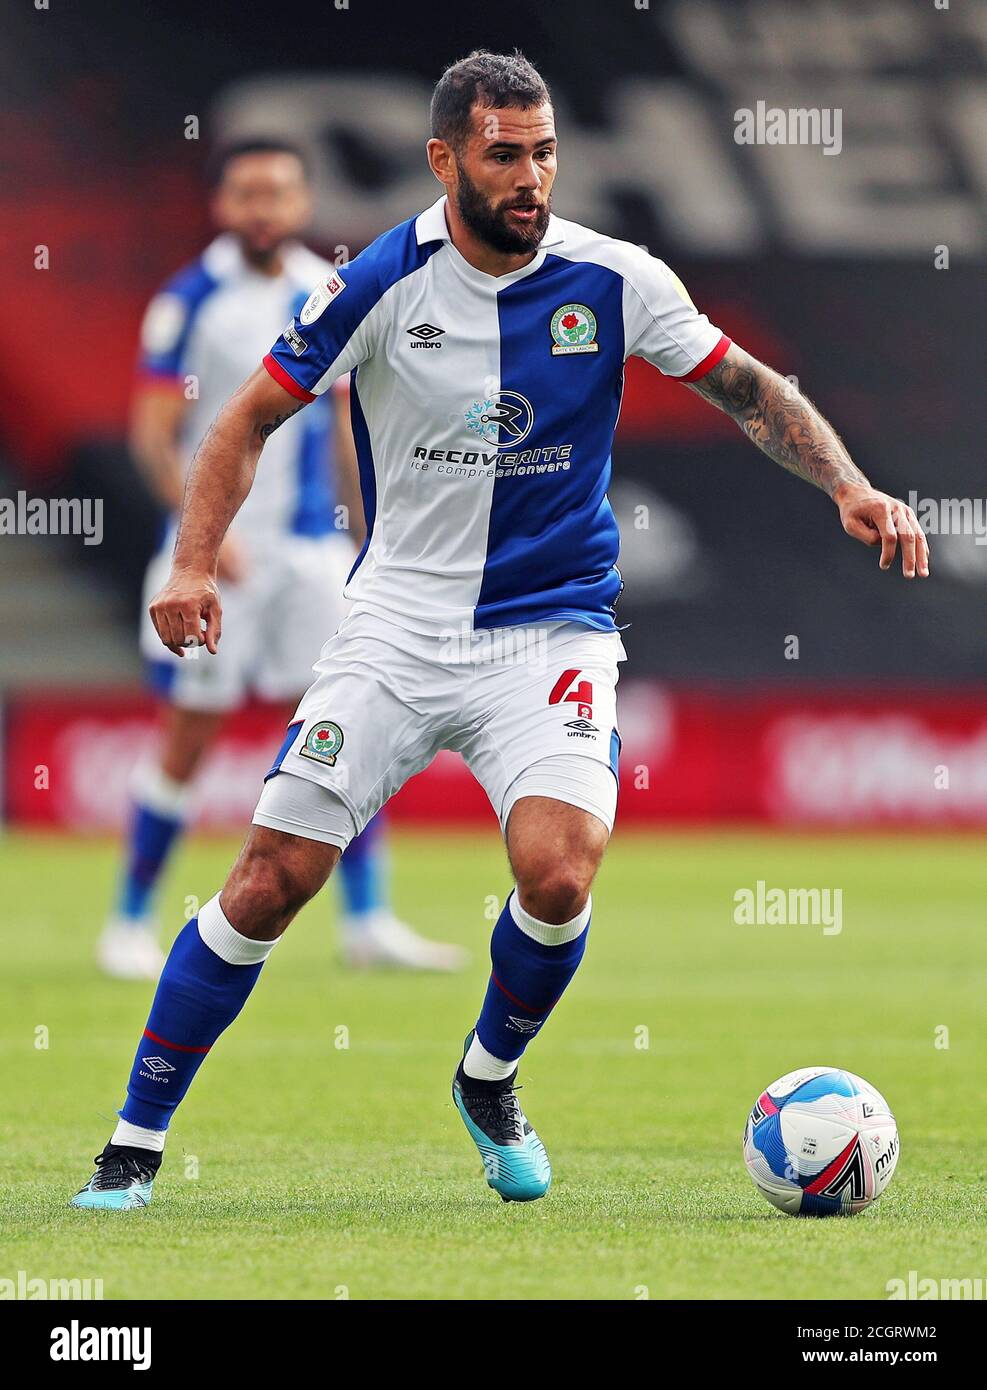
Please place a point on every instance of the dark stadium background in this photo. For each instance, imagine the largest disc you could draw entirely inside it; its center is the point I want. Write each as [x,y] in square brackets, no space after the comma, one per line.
[826,266]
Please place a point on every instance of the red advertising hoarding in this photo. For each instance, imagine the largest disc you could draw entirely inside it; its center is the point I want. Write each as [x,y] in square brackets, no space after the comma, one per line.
[690,756]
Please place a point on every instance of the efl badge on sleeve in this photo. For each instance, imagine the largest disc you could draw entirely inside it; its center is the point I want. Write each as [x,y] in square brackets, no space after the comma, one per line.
[321,297]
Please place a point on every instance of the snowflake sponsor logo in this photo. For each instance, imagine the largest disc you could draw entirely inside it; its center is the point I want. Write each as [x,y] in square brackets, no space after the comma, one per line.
[504,418]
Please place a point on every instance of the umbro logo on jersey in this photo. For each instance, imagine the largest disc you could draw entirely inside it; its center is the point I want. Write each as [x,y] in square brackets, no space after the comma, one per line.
[583,726]
[424,335]
[157,1064]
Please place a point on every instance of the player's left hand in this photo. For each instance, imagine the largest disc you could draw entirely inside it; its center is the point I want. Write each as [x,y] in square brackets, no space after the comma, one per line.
[877,519]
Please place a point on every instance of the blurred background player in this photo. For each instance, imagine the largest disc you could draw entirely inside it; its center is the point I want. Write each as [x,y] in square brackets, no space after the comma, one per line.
[202,335]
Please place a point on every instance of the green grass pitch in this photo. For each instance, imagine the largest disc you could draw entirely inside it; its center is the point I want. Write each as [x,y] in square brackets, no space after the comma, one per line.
[302,1168]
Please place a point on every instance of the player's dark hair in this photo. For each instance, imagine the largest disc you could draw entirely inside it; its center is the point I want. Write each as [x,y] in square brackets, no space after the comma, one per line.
[493,80]
[225,155]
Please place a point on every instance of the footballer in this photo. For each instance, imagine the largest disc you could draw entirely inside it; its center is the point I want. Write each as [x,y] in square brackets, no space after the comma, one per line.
[484,466]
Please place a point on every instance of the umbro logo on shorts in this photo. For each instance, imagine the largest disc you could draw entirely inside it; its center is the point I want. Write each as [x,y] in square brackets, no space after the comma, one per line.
[424,335]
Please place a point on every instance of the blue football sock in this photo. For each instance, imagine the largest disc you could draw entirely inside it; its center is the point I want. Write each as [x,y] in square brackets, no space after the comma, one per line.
[362,871]
[157,820]
[205,983]
[533,963]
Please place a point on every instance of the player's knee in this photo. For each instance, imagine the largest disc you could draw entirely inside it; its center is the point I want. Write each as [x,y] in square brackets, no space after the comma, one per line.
[556,892]
[271,882]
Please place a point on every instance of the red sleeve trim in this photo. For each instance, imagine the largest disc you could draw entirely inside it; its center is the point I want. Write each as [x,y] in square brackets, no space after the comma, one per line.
[708,362]
[288,382]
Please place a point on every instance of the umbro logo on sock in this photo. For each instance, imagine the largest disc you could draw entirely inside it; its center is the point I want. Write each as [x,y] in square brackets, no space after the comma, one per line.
[157,1064]
[524,1025]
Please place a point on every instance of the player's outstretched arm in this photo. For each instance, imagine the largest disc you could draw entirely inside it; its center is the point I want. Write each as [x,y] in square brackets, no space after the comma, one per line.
[219,479]
[786,426]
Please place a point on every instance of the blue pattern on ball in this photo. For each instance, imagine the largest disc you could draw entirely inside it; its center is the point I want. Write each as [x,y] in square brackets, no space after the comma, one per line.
[768,1141]
[831,1083]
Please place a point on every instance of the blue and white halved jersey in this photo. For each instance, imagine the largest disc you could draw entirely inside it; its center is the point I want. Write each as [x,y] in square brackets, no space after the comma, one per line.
[484,410]
[205,331]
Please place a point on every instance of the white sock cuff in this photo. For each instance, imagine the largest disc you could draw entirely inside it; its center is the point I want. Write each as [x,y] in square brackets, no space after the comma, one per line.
[229,944]
[136,1137]
[160,793]
[548,933]
[482,1065]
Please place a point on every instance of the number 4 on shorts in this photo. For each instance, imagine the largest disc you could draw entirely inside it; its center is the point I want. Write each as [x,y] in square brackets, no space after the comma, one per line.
[581,696]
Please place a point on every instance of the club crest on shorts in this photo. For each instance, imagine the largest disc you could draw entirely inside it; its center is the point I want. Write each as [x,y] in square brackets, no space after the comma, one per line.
[574,330]
[323,742]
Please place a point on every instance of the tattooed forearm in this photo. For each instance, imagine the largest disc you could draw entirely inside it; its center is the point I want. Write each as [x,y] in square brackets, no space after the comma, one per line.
[267,429]
[782,422]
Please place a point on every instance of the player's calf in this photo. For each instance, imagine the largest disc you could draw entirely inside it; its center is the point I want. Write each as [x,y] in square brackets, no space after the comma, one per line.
[213,965]
[537,944]
[538,941]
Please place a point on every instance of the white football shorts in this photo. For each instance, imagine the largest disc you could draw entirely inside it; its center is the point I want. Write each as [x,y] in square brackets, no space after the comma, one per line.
[274,621]
[532,710]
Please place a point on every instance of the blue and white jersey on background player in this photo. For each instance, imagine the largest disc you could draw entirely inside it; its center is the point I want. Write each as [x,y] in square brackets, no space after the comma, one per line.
[204,332]
[484,411]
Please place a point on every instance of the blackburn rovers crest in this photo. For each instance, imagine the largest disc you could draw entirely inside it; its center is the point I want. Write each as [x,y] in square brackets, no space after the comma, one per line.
[573,330]
[323,743]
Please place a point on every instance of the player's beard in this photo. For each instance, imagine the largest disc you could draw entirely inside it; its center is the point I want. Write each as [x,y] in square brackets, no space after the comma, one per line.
[262,256]
[489,222]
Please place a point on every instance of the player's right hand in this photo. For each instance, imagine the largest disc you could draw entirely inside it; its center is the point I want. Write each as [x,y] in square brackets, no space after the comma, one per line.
[179,610]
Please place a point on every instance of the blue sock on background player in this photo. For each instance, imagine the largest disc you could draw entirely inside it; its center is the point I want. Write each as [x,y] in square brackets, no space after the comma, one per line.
[159,814]
[210,971]
[533,963]
[363,871]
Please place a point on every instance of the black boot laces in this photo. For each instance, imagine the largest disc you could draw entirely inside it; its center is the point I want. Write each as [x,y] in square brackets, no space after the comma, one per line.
[119,1170]
[498,1113]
